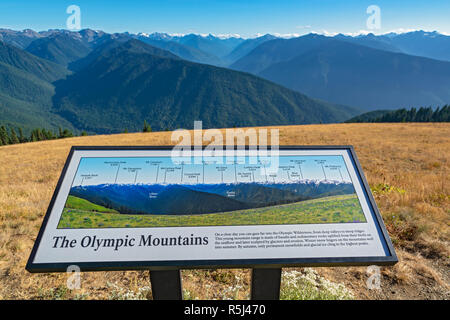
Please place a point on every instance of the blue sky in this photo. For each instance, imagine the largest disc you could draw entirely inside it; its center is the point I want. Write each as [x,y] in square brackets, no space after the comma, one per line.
[244,17]
[94,171]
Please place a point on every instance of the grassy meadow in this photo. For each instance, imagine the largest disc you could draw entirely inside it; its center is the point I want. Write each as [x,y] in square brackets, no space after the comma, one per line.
[79,213]
[407,167]
[84,205]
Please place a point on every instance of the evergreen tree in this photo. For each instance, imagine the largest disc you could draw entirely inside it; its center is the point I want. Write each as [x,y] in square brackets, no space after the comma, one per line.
[4,137]
[40,135]
[33,136]
[443,115]
[22,138]
[147,127]
[413,115]
[13,137]
[66,133]
[46,134]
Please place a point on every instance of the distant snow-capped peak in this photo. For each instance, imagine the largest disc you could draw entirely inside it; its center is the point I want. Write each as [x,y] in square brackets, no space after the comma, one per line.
[268,182]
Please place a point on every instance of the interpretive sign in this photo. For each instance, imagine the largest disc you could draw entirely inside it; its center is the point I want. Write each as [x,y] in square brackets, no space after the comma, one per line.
[120,208]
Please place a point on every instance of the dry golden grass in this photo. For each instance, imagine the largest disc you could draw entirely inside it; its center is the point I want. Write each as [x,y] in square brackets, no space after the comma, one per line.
[407,166]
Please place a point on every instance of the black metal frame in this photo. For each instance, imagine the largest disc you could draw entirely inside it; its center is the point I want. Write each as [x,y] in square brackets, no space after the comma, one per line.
[208,264]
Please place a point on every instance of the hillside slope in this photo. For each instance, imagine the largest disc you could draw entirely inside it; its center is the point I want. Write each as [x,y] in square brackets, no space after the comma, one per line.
[245,47]
[25,90]
[347,73]
[59,48]
[184,52]
[41,68]
[277,50]
[365,77]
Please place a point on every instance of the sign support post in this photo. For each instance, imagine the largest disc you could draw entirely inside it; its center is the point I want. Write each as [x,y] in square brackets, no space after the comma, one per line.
[166,285]
[266,283]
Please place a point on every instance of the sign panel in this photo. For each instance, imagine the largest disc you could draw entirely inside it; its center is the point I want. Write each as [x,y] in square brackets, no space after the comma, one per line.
[119,208]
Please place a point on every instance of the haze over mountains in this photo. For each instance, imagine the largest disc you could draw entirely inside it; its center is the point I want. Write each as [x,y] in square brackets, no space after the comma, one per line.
[99,82]
[347,72]
[431,45]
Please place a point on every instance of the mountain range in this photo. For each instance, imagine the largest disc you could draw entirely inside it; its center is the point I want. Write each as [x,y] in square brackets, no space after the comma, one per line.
[133,81]
[347,72]
[103,83]
[433,45]
[118,82]
[204,198]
